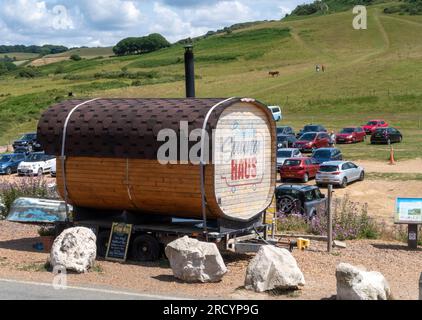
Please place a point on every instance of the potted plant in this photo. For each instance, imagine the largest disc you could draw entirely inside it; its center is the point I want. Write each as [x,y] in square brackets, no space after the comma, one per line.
[47,235]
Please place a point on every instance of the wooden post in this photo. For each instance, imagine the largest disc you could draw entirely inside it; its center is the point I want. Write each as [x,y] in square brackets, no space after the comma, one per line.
[330,220]
[412,236]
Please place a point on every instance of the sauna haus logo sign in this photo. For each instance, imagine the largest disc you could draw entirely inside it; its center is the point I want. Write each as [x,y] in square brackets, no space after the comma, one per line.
[241,157]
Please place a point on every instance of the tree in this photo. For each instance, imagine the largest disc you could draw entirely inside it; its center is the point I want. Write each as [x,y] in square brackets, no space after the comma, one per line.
[75,57]
[132,45]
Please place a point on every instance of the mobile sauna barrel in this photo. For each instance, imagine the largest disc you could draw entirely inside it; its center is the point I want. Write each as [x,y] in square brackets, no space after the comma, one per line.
[111,147]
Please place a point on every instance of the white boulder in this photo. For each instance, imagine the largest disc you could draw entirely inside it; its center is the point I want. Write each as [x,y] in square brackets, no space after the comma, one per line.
[355,283]
[74,249]
[273,268]
[195,261]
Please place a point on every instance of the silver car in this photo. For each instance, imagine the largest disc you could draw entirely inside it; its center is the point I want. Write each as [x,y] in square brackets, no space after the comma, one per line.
[339,173]
[287,153]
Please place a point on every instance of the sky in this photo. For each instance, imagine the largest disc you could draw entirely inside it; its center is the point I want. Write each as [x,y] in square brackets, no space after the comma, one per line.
[104,22]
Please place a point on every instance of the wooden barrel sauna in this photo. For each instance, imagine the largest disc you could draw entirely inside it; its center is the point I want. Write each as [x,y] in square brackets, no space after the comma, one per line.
[110,161]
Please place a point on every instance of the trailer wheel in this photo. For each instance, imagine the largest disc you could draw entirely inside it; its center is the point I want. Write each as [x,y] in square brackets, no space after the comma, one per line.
[102,243]
[145,248]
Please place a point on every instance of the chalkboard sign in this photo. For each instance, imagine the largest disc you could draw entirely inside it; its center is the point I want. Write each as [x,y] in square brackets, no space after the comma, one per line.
[119,242]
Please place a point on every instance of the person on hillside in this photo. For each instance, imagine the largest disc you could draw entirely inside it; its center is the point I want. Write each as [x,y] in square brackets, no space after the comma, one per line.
[317,68]
[333,138]
[323,68]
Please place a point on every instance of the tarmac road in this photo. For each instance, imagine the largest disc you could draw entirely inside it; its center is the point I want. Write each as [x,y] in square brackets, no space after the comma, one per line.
[25,290]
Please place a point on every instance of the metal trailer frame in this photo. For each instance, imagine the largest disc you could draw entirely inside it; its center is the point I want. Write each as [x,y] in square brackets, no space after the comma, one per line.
[229,236]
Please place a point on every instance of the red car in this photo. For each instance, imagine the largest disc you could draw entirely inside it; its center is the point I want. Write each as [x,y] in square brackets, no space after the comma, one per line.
[373,125]
[351,135]
[312,140]
[299,168]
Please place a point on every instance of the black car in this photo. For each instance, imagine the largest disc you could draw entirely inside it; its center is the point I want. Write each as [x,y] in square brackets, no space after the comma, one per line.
[285,141]
[285,130]
[326,154]
[29,142]
[300,199]
[311,128]
[386,136]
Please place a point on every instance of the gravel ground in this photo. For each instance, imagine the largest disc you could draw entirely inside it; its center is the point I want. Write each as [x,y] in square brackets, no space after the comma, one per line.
[402,268]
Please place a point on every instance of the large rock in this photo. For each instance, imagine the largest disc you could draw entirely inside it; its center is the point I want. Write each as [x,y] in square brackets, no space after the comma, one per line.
[273,268]
[355,283]
[75,249]
[195,261]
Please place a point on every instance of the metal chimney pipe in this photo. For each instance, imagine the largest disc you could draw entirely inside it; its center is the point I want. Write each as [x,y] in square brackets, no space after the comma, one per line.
[189,72]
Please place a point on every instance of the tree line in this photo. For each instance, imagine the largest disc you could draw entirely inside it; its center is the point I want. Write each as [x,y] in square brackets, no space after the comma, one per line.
[42,50]
[139,45]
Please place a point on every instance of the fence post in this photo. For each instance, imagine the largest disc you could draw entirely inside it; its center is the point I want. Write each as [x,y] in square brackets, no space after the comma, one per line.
[330,219]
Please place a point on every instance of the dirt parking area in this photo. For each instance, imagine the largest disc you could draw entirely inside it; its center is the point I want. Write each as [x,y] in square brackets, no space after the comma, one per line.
[402,268]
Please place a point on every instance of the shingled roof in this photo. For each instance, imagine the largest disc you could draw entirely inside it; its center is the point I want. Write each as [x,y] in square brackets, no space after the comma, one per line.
[122,127]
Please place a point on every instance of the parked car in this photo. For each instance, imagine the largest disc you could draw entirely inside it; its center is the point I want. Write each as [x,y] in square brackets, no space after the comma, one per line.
[276,111]
[326,154]
[310,141]
[22,150]
[372,125]
[36,164]
[299,168]
[339,173]
[29,142]
[53,171]
[9,163]
[351,135]
[311,128]
[286,153]
[386,135]
[300,199]
[285,130]
[285,141]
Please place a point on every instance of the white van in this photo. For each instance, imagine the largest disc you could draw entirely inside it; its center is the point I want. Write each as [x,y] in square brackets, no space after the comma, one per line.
[276,111]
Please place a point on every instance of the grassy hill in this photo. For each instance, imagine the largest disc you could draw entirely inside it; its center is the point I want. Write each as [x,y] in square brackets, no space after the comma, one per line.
[370,73]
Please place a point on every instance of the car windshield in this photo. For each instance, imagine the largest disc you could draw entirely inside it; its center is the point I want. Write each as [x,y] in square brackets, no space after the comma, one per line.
[348,130]
[322,154]
[5,158]
[372,123]
[328,168]
[35,157]
[311,129]
[29,136]
[281,130]
[308,136]
[284,153]
[292,163]
[274,110]
[381,130]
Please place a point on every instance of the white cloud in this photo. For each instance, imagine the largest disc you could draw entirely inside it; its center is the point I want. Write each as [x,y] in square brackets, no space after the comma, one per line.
[222,13]
[111,14]
[173,24]
[33,15]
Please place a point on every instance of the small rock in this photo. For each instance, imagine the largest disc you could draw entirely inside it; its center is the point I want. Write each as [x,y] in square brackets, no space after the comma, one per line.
[358,284]
[273,268]
[74,249]
[195,261]
[339,244]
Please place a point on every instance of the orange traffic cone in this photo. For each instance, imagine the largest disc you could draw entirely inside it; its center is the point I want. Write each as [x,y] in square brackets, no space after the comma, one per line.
[392,160]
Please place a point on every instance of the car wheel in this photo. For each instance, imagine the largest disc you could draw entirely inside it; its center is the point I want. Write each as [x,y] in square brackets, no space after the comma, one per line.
[9,171]
[145,248]
[389,141]
[40,172]
[285,204]
[343,183]
[362,176]
[400,139]
[305,178]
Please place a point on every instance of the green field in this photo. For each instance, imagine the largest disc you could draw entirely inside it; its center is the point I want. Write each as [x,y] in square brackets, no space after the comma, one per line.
[373,73]
[86,52]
